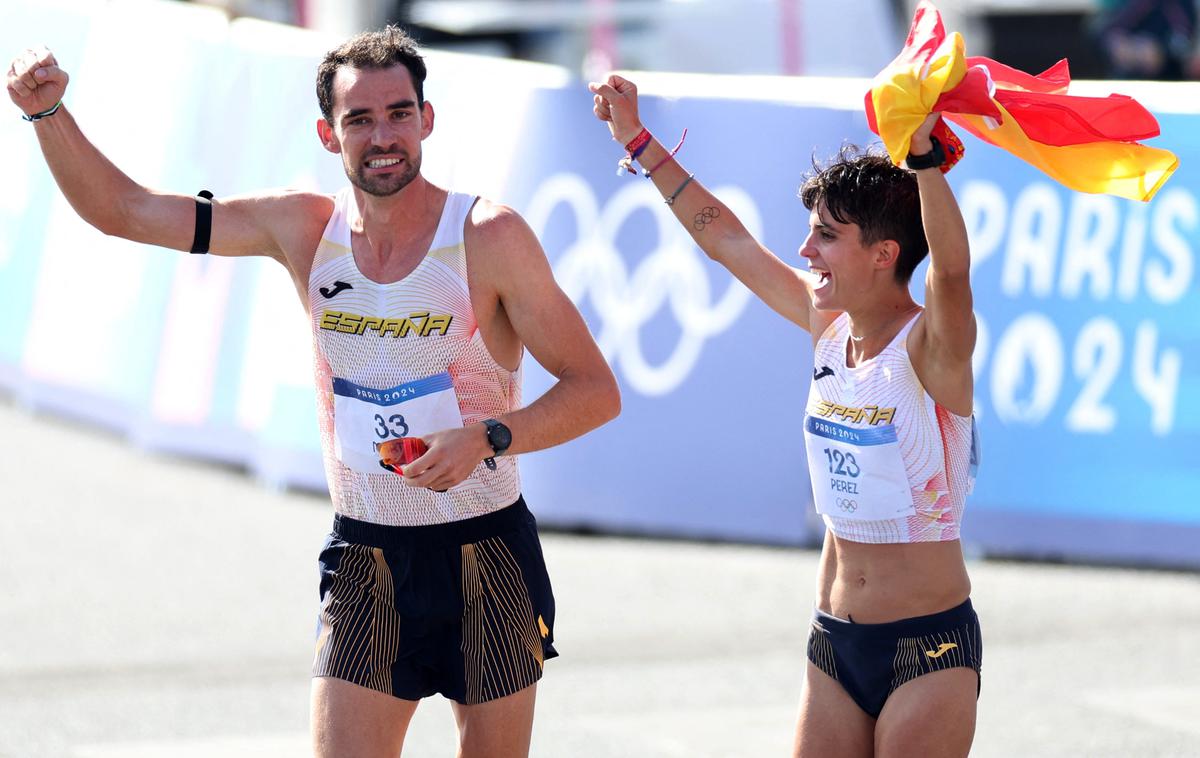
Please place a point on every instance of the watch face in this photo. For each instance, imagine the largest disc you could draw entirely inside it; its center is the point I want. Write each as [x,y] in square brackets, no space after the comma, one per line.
[499,436]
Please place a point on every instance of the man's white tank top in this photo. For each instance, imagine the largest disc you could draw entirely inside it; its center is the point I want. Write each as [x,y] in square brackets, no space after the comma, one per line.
[401,360]
[887,463]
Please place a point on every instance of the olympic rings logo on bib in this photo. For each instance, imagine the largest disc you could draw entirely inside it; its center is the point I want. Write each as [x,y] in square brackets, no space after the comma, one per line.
[847,505]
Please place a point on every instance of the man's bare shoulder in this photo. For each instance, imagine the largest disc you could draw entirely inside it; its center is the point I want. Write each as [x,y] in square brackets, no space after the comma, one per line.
[489,219]
[500,233]
[276,223]
[290,203]
[296,218]
[503,251]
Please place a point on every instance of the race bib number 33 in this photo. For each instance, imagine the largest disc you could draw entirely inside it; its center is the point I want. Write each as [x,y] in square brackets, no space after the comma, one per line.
[363,417]
[857,473]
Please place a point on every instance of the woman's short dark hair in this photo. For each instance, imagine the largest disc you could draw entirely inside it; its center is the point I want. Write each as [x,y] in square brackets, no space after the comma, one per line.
[384,48]
[865,188]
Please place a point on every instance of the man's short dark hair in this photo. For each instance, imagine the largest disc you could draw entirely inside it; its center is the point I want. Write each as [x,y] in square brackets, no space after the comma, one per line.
[384,48]
[865,188]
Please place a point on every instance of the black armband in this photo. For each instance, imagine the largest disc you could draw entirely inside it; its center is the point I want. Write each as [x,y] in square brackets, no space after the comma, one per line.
[203,222]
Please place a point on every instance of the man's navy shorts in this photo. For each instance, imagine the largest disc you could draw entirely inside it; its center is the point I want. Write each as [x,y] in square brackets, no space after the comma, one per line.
[463,609]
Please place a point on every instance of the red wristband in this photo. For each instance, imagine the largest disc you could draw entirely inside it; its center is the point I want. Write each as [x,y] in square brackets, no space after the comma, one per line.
[633,146]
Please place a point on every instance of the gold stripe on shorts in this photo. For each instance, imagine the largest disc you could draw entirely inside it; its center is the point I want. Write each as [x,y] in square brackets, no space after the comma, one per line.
[359,636]
[501,646]
[820,651]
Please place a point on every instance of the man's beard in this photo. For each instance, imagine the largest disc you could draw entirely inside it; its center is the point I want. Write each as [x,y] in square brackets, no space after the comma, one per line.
[384,185]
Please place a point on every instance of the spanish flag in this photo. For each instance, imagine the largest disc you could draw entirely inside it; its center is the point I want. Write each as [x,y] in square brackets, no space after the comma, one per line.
[1089,144]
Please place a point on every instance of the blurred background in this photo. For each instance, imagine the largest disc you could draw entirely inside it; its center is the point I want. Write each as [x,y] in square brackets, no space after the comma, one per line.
[163,494]
[1134,39]
[1086,369]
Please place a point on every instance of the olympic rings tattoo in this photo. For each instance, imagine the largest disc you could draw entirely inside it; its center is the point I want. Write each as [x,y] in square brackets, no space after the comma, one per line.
[705,217]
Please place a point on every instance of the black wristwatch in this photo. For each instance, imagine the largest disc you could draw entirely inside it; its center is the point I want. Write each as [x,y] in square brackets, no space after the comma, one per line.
[933,159]
[499,437]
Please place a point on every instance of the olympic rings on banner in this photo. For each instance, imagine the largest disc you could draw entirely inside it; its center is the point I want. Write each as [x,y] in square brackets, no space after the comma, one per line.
[628,296]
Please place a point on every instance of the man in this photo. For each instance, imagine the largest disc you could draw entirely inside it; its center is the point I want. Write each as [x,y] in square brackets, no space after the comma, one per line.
[894,651]
[422,302]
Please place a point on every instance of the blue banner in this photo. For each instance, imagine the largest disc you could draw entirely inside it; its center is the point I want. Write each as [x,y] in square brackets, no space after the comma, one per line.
[1086,398]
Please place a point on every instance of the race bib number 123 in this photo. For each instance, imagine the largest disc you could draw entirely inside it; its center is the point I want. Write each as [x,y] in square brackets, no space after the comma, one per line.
[857,473]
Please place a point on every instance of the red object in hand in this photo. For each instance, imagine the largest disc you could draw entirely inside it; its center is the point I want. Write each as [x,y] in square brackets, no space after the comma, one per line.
[400,452]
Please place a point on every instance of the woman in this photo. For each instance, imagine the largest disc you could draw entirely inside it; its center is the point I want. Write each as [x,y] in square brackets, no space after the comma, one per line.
[894,651]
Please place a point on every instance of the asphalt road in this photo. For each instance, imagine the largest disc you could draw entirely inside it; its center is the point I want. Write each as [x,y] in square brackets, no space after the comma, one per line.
[161,608]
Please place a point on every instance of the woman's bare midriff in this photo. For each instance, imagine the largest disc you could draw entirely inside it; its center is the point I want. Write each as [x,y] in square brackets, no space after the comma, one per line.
[875,584]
